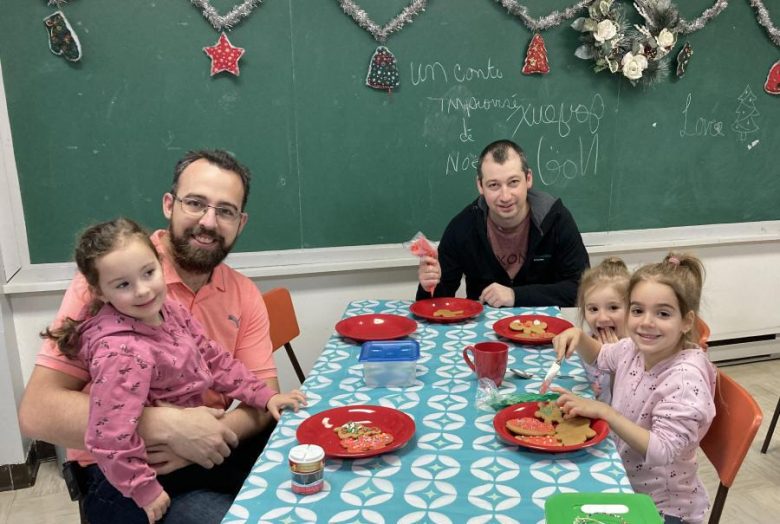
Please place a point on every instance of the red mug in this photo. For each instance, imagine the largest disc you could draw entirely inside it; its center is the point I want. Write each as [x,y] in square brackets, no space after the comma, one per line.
[490,360]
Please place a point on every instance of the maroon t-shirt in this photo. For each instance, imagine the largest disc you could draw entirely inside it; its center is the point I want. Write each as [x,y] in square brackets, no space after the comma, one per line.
[509,244]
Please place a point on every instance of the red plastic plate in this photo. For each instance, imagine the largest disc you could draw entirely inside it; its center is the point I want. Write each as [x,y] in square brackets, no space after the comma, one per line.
[376,327]
[319,429]
[428,307]
[554,325]
[527,409]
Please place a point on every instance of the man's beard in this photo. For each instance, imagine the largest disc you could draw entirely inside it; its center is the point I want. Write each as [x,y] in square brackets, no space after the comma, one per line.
[193,259]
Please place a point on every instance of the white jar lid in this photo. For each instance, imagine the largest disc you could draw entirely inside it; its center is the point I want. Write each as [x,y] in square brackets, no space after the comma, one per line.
[306,453]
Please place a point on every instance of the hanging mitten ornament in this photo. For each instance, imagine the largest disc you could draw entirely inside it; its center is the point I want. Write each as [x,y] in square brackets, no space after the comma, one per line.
[536,57]
[382,71]
[683,57]
[772,85]
[224,56]
[62,38]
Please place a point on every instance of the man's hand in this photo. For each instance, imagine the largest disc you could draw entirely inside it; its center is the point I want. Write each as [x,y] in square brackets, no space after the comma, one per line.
[163,460]
[429,273]
[496,295]
[195,434]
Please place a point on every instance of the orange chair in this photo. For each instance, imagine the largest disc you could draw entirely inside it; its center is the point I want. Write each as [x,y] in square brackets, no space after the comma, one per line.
[736,422]
[703,330]
[283,324]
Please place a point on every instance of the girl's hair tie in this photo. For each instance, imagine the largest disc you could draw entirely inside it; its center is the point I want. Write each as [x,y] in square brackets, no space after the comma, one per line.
[673,260]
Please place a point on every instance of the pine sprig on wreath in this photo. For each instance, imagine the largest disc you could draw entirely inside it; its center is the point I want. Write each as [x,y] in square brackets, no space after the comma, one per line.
[638,52]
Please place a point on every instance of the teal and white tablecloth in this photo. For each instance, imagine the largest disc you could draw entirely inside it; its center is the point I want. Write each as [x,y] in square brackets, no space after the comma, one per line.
[455,469]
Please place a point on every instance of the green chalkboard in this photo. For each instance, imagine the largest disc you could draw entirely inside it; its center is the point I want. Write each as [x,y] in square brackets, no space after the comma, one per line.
[336,163]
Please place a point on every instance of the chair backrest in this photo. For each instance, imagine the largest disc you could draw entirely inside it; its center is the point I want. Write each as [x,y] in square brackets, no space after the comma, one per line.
[281,316]
[703,330]
[736,422]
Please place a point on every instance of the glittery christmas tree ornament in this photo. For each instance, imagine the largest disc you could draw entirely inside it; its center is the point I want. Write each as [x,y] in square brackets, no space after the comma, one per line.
[683,57]
[772,84]
[382,72]
[62,38]
[536,57]
[224,56]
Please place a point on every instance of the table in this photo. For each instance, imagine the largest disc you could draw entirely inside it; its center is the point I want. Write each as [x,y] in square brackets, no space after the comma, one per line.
[455,470]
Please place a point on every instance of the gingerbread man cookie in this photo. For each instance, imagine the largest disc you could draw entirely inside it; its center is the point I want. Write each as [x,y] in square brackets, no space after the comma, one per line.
[549,412]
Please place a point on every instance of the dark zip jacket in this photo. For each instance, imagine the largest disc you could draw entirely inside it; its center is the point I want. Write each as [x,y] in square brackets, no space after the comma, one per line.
[554,262]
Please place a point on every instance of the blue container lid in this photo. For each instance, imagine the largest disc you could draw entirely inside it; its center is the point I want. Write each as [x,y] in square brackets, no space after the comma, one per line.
[390,351]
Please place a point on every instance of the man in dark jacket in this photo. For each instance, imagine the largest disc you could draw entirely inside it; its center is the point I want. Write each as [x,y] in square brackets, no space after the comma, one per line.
[515,245]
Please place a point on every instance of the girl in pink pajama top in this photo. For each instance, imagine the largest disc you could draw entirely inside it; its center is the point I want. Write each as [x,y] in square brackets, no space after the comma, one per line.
[662,401]
[142,348]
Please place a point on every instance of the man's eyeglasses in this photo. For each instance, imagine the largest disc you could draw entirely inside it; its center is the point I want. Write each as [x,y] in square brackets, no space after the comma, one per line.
[197,208]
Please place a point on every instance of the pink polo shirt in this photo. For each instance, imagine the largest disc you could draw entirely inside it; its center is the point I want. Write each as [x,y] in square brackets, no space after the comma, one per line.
[674,401]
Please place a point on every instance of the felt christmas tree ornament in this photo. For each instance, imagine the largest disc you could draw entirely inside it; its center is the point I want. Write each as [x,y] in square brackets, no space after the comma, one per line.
[536,57]
[772,84]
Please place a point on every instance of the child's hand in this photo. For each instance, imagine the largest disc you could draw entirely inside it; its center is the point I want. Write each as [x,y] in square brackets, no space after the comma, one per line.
[572,405]
[294,399]
[606,335]
[158,507]
[566,342]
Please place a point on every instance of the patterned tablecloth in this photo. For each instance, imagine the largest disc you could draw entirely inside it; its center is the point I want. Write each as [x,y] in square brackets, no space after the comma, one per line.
[455,469]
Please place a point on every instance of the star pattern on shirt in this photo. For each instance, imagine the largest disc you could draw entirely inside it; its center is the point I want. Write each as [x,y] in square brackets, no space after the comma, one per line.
[224,56]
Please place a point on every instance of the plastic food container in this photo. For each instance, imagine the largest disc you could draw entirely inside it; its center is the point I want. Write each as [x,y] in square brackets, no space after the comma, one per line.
[389,363]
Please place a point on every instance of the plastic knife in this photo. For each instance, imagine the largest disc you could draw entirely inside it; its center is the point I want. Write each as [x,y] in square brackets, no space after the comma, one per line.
[555,368]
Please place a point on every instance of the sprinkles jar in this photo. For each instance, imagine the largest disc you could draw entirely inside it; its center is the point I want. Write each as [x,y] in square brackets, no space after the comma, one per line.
[307,466]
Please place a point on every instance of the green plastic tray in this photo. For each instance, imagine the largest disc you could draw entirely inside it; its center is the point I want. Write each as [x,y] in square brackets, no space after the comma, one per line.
[565,508]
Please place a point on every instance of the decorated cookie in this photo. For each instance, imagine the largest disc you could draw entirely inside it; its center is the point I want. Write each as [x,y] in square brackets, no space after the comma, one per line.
[447,313]
[574,431]
[544,440]
[529,426]
[528,327]
[549,412]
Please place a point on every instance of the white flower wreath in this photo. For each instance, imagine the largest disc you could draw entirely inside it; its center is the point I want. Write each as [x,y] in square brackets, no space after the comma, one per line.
[638,52]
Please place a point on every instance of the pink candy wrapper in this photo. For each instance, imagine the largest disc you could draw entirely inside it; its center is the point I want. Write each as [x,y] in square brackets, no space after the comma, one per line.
[419,246]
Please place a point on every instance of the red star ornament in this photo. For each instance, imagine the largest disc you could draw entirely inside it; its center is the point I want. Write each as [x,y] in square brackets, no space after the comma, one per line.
[224,56]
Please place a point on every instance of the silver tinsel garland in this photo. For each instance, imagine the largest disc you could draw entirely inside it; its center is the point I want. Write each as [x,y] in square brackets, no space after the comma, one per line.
[553,19]
[380,33]
[708,14]
[762,15]
[229,20]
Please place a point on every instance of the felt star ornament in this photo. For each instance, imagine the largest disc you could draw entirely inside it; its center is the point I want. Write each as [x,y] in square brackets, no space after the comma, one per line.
[224,56]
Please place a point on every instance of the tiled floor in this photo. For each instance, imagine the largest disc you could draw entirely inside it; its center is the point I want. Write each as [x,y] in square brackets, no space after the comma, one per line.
[754,498]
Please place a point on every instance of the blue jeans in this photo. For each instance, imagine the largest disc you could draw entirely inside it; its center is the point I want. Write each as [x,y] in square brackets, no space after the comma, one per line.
[104,504]
[671,519]
[198,495]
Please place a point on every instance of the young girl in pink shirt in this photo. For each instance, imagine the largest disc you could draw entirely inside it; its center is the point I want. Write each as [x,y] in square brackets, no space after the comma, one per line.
[662,401]
[603,303]
[142,348]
